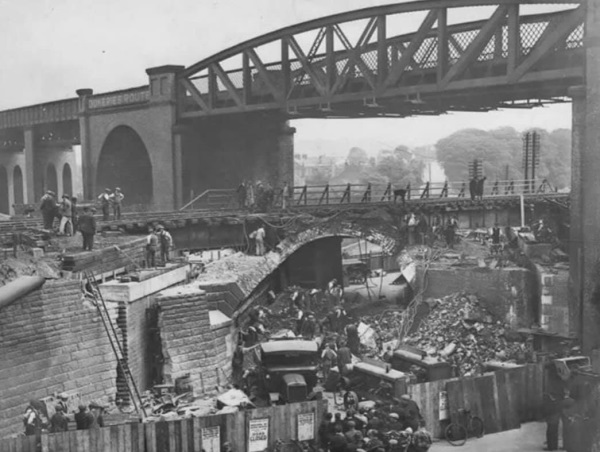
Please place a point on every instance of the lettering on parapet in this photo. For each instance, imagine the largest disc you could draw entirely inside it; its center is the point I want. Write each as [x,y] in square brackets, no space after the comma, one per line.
[118,99]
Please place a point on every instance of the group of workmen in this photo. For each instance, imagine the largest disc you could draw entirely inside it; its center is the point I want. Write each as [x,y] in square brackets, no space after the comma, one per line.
[394,426]
[70,219]
[476,188]
[260,196]
[35,418]
[420,232]
[158,240]
[109,199]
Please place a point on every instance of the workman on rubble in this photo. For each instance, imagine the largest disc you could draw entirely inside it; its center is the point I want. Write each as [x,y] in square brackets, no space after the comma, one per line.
[87,227]
[59,422]
[151,248]
[329,359]
[309,327]
[165,241]
[48,208]
[344,359]
[66,213]
[96,409]
[259,239]
[353,339]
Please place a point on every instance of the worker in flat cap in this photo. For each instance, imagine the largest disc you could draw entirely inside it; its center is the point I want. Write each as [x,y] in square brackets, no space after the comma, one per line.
[105,199]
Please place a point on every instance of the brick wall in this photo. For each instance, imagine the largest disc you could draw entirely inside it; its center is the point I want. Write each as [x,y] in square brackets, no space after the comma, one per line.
[138,345]
[190,345]
[52,341]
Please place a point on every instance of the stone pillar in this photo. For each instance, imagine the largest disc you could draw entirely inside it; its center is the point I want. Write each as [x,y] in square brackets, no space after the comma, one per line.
[577,94]
[167,161]
[28,171]
[178,138]
[87,172]
[285,155]
[590,183]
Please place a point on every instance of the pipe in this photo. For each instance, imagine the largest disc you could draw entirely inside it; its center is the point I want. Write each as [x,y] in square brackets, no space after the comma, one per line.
[18,288]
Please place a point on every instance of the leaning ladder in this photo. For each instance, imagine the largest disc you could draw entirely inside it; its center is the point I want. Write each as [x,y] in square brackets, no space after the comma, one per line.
[115,344]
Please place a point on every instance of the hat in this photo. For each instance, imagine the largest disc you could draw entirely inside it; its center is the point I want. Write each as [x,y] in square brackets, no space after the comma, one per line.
[58,408]
[405,397]
[159,227]
[82,407]
[63,396]
[95,405]
[394,416]
[65,196]
[107,190]
[50,192]
[117,189]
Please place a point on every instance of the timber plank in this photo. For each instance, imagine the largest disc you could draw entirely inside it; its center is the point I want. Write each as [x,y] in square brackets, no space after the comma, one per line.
[162,437]
[485,386]
[150,433]
[196,434]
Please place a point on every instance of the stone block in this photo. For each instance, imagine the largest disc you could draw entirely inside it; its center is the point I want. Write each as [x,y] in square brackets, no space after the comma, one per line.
[37,252]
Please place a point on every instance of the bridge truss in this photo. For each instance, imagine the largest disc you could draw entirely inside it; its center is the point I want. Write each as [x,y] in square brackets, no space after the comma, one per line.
[320,69]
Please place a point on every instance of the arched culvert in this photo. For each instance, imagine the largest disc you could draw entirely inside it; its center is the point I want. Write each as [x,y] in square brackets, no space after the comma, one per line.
[124,162]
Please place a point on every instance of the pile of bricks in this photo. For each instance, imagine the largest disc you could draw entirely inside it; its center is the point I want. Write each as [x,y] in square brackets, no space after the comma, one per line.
[128,255]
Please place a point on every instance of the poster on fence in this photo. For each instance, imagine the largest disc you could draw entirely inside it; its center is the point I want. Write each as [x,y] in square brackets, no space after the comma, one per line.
[443,405]
[258,435]
[306,426]
[211,439]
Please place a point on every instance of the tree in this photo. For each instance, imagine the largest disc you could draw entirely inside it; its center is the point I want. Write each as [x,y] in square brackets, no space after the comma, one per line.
[357,157]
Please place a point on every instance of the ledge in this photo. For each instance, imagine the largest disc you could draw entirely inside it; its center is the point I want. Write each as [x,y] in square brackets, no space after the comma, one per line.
[132,291]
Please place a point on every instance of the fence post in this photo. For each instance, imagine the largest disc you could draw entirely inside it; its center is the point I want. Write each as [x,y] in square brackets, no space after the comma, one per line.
[425,193]
[463,189]
[367,195]
[444,193]
[388,193]
[346,194]
[408,191]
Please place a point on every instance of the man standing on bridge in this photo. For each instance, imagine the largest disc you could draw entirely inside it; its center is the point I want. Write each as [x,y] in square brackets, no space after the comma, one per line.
[116,199]
[166,241]
[105,203]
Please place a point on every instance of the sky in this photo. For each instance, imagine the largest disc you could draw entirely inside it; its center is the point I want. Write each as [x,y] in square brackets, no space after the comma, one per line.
[50,48]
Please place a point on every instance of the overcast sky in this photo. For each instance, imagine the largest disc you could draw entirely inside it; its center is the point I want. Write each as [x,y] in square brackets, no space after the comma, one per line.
[50,48]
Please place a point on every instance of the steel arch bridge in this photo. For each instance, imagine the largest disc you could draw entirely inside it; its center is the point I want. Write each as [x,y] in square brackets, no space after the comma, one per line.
[508,59]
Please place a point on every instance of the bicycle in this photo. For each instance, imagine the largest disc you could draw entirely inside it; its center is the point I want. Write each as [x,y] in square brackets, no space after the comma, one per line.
[456,433]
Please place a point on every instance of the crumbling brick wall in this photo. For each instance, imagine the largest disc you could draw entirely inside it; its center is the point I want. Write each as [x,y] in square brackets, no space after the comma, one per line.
[190,345]
[52,341]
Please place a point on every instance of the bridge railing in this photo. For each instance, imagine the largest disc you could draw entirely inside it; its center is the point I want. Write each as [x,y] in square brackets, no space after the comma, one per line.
[342,194]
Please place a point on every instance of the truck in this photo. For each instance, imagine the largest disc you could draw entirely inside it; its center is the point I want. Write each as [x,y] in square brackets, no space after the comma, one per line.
[289,369]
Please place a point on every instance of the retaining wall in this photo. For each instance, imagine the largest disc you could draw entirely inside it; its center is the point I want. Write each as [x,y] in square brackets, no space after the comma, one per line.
[52,341]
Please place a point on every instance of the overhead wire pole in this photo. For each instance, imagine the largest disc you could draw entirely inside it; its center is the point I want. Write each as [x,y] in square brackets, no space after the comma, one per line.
[117,350]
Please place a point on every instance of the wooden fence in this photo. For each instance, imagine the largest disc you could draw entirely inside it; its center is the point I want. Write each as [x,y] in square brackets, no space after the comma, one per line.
[502,399]
[286,423]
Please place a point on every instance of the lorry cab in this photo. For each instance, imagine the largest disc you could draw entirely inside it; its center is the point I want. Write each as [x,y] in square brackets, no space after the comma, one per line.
[289,369]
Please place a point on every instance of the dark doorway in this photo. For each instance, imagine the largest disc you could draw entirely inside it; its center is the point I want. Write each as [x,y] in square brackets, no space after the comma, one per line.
[124,163]
[67,180]
[18,185]
[4,203]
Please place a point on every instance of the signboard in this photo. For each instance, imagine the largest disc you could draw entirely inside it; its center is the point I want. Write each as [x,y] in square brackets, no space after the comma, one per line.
[443,405]
[258,435]
[118,99]
[211,439]
[306,426]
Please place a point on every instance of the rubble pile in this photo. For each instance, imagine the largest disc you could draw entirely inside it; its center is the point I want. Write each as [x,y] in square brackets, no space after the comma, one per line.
[459,330]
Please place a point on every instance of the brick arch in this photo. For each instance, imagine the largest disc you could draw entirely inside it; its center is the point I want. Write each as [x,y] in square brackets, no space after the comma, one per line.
[389,242]
[67,180]
[124,162]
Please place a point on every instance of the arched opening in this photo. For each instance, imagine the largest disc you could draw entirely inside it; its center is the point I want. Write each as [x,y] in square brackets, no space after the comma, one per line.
[124,163]
[4,203]
[51,180]
[18,185]
[67,180]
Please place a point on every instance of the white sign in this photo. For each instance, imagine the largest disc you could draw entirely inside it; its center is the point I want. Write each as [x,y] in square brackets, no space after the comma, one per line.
[115,100]
[443,405]
[211,439]
[306,426]
[258,435]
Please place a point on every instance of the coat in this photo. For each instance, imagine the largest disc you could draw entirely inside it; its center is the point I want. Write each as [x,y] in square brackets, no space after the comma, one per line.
[87,224]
